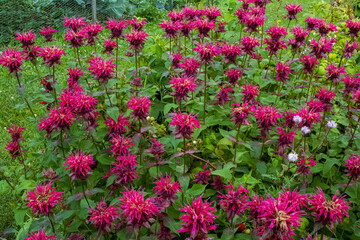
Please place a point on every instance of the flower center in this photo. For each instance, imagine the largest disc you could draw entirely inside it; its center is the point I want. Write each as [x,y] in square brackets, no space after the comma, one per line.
[281,218]
[43,198]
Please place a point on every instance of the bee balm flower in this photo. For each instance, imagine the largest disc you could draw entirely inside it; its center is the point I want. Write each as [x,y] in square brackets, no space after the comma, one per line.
[185,124]
[103,216]
[79,164]
[43,198]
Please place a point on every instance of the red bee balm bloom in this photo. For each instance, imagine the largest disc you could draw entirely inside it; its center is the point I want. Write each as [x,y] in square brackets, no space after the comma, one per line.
[102,69]
[204,26]
[166,191]
[310,116]
[137,210]
[293,9]
[27,39]
[74,23]
[198,218]
[349,49]
[276,32]
[124,170]
[103,216]
[304,166]
[224,95]
[176,16]
[140,106]
[157,148]
[322,47]
[43,198]
[116,27]
[76,39]
[267,117]
[328,212]
[52,55]
[235,201]
[48,33]
[233,76]
[136,39]
[280,218]
[41,235]
[203,177]
[309,63]
[325,96]
[185,124]
[285,139]
[248,44]
[176,57]
[324,28]
[109,46]
[186,28]
[136,24]
[12,59]
[253,21]
[182,85]
[230,51]
[282,71]
[300,35]
[294,198]
[333,72]
[117,127]
[121,145]
[190,66]
[14,149]
[207,51]
[353,164]
[241,113]
[212,13]
[15,132]
[74,75]
[171,28]
[92,31]
[311,23]
[354,27]
[250,92]
[79,164]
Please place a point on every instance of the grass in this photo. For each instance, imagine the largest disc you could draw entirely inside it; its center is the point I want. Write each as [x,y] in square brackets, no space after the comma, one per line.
[13,110]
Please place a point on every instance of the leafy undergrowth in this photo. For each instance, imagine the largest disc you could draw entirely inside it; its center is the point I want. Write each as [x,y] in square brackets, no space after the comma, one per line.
[227,127]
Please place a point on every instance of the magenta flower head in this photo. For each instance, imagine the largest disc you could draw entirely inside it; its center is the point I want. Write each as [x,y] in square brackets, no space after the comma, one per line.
[171,28]
[121,145]
[136,39]
[282,71]
[92,31]
[294,198]
[41,235]
[116,27]
[137,210]
[48,33]
[234,202]
[157,148]
[103,216]
[304,165]
[248,44]
[74,23]
[325,96]
[276,32]
[185,124]
[285,139]
[190,13]
[76,39]
[354,27]
[203,177]
[233,75]
[311,23]
[224,95]
[230,52]
[79,164]
[241,113]
[102,69]
[190,67]
[241,13]
[308,63]
[27,39]
[221,27]
[280,219]
[206,52]
[212,13]
[14,149]
[15,132]
[323,28]
[74,75]
[273,46]
[204,26]
[117,127]
[186,28]
[300,35]
[309,117]
[182,85]
[176,16]
[136,24]
[320,48]
[349,49]
[124,170]
[176,58]
[352,84]
[253,21]
[334,73]
[43,198]
[353,165]
[58,119]
[250,92]
[197,219]
[32,53]
[166,191]
[292,9]
[109,46]
[140,105]
[267,117]
[356,98]
[52,55]
[328,212]
[12,59]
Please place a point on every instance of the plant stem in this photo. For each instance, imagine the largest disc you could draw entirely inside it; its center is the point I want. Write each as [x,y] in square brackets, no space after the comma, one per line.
[262,148]
[205,95]
[52,224]
[55,95]
[78,55]
[108,96]
[136,65]
[23,163]
[83,189]
[184,141]
[26,101]
[117,54]
[61,143]
[348,184]
[237,137]
[268,67]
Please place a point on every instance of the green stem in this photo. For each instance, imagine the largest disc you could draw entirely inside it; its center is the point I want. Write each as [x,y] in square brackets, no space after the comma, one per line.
[26,101]
[348,184]
[184,141]
[107,93]
[205,95]
[78,56]
[52,224]
[237,137]
[83,189]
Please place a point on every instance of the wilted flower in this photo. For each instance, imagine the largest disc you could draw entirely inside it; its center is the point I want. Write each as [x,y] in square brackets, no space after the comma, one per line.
[171,28]
[120,145]
[137,210]
[197,219]
[52,55]
[140,105]
[41,235]
[27,39]
[176,57]
[48,33]
[79,164]
[117,127]
[328,212]
[166,191]
[12,59]
[221,27]
[185,124]
[241,113]
[182,85]
[206,52]
[43,198]
[203,177]
[157,148]
[102,69]
[136,39]
[103,216]
[74,23]
[218,184]
[204,26]
[234,202]
[353,165]
[116,27]
[224,95]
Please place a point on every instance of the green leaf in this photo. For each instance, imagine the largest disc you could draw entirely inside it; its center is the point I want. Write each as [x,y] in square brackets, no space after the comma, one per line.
[19,216]
[225,172]
[328,165]
[64,215]
[168,106]
[196,190]
[113,112]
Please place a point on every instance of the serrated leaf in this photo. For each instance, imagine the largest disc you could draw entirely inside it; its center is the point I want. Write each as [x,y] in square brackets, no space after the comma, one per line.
[225,172]
[196,190]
